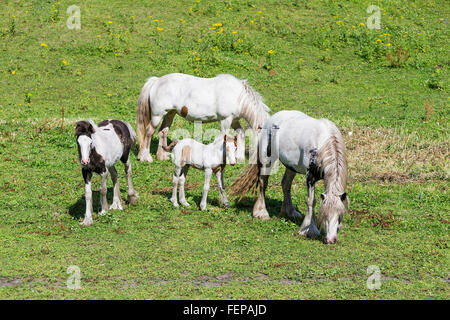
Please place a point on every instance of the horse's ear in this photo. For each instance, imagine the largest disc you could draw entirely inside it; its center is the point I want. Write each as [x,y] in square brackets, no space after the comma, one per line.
[343,196]
[322,196]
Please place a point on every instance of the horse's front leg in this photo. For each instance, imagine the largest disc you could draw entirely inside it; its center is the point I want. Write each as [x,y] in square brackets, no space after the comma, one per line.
[116,198]
[132,194]
[259,209]
[182,180]
[176,178]
[161,154]
[103,190]
[308,227]
[87,175]
[223,195]
[240,154]
[208,172]
[287,209]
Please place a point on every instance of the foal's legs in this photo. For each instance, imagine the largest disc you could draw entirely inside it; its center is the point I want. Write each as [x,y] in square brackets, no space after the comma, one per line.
[87,175]
[259,209]
[144,152]
[103,190]
[132,194]
[167,122]
[223,195]
[116,198]
[208,172]
[308,228]
[287,209]
[176,178]
[240,154]
[182,180]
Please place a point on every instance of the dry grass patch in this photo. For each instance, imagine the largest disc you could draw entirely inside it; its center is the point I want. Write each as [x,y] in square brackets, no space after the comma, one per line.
[387,155]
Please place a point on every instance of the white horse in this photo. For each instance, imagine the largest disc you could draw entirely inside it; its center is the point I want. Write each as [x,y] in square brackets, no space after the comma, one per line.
[99,148]
[210,158]
[314,147]
[223,98]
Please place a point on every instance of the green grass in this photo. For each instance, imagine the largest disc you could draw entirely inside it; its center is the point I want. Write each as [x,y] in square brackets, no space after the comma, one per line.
[313,56]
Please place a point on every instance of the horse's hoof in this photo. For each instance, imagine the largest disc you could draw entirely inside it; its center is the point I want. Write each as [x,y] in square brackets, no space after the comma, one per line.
[185,204]
[116,206]
[202,207]
[145,158]
[309,232]
[132,200]
[87,223]
[226,205]
[102,213]
[262,215]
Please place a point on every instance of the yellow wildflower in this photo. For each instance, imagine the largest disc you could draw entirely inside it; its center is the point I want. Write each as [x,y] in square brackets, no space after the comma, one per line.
[43,44]
[270,51]
[197,59]
[159,28]
[217,24]
[109,22]
[65,62]
[362,24]
[13,72]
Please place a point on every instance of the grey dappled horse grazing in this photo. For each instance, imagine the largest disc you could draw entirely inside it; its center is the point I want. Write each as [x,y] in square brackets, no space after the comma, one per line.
[313,147]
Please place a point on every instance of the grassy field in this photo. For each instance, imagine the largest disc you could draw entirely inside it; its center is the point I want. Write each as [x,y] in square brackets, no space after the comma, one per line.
[319,57]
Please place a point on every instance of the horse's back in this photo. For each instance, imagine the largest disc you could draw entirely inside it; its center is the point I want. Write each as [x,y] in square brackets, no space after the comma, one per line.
[299,136]
[206,99]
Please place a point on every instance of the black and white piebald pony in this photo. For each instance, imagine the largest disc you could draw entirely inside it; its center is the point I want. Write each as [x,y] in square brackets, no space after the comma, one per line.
[99,148]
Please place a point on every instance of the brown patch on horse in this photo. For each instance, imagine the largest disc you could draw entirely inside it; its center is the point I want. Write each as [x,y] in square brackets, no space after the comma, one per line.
[219,168]
[84,127]
[185,155]
[184,111]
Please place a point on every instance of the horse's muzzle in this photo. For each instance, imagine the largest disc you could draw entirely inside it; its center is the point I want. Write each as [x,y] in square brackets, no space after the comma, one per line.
[85,162]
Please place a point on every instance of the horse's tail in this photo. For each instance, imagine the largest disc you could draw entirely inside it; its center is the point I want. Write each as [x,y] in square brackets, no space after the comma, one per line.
[143,110]
[248,181]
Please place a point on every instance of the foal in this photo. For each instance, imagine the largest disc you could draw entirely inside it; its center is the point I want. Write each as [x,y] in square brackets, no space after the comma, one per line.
[210,158]
[99,148]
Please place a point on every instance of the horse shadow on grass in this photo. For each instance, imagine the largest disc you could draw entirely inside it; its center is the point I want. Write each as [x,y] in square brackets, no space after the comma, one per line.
[78,209]
[246,204]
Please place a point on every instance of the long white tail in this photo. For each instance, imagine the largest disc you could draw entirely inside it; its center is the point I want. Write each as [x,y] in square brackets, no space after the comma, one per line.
[143,110]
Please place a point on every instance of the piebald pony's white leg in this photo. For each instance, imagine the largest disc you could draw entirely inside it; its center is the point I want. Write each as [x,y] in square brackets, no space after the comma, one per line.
[182,181]
[287,209]
[116,198]
[166,123]
[132,194]
[103,190]
[259,209]
[208,172]
[88,196]
[223,196]
[308,227]
[176,177]
[240,153]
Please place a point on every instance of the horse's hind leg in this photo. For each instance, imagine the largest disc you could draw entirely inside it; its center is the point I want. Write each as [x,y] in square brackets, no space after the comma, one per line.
[116,198]
[259,209]
[144,153]
[167,122]
[240,154]
[132,194]
[308,227]
[103,190]
[287,209]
